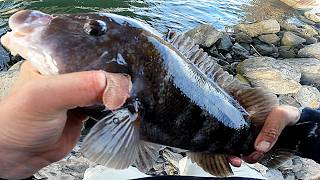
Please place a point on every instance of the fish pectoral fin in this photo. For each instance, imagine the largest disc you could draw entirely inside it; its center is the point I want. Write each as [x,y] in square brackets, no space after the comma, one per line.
[275,158]
[147,155]
[215,164]
[114,140]
[257,102]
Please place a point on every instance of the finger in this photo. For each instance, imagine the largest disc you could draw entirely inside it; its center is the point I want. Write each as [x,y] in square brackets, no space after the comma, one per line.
[270,132]
[254,157]
[63,92]
[5,40]
[235,161]
[117,91]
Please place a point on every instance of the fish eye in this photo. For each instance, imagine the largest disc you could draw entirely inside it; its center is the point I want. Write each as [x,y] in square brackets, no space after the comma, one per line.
[95,27]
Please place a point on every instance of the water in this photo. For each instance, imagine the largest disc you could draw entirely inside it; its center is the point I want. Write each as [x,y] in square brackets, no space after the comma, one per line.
[178,15]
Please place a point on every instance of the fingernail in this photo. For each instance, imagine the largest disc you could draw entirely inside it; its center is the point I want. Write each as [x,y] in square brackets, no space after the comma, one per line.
[263,146]
[101,78]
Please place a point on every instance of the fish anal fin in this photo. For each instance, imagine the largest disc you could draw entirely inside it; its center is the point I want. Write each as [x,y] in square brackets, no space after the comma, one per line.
[215,164]
[275,158]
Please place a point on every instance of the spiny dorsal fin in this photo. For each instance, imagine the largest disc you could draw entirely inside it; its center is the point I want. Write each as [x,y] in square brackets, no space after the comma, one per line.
[256,101]
[115,142]
[215,164]
[275,158]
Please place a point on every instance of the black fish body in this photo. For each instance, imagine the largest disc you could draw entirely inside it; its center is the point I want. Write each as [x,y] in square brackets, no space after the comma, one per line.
[180,97]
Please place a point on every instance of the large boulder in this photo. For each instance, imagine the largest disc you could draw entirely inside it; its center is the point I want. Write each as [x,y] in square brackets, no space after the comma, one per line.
[269,38]
[308,96]
[205,35]
[311,51]
[290,39]
[309,68]
[264,27]
[275,75]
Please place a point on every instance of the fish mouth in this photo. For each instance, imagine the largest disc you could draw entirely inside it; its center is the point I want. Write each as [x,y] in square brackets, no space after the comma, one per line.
[27,21]
[24,25]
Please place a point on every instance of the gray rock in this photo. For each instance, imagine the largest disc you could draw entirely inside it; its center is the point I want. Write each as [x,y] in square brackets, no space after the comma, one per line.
[290,39]
[288,100]
[311,51]
[264,27]
[308,31]
[269,38]
[286,52]
[306,168]
[312,16]
[205,35]
[309,68]
[242,37]
[224,43]
[288,27]
[240,51]
[266,49]
[308,96]
[275,75]
[311,40]
[8,78]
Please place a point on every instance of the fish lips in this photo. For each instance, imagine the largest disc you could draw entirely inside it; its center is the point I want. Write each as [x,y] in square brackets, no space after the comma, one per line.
[26,21]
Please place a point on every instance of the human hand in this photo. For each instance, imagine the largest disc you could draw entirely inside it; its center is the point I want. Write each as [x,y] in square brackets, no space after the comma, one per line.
[38,122]
[277,120]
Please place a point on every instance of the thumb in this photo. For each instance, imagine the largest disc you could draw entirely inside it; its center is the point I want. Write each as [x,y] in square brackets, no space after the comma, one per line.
[67,91]
[278,119]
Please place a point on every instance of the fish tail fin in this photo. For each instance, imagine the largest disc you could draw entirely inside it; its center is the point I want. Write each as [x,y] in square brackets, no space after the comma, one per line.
[115,142]
[215,164]
[275,158]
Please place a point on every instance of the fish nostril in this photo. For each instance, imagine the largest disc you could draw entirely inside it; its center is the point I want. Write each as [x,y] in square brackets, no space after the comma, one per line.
[26,20]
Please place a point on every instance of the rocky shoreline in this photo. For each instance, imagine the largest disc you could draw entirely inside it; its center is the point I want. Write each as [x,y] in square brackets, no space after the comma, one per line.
[283,58]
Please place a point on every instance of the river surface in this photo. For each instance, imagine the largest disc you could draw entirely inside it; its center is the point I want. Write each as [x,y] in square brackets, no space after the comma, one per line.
[178,15]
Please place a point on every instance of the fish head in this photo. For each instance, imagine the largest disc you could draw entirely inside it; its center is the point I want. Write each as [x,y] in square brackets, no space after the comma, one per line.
[57,44]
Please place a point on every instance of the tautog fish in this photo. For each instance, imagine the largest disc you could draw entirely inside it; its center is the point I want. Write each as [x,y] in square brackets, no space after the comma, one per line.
[180,97]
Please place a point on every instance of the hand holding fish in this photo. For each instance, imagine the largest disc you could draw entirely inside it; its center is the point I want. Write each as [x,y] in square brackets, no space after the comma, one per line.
[39,122]
[278,119]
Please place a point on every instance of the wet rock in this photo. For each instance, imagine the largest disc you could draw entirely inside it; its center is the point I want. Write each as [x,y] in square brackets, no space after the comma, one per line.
[224,43]
[286,52]
[311,51]
[308,96]
[266,49]
[312,16]
[269,39]
[240,51]
[275,75]
[171,157]
[246,46]
[309,31]
[205,35]
[242,37]
[290,39]
[264,27]
[288,100]
[309,68]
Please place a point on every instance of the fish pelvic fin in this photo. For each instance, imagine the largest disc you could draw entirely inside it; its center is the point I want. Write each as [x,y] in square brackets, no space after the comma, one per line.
[275,158]
[215,164]
[115,142]
[255,103]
